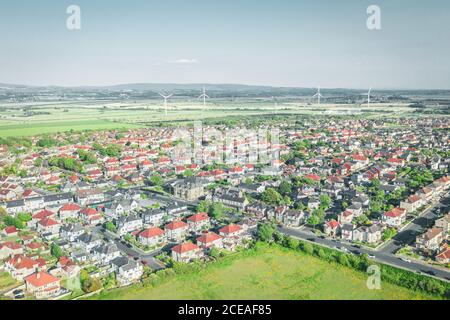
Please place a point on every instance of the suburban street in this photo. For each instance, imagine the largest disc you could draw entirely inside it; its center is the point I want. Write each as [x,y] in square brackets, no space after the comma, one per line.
[386,254]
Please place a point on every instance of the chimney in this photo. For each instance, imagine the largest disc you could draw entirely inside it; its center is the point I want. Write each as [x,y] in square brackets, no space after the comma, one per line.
[38,275]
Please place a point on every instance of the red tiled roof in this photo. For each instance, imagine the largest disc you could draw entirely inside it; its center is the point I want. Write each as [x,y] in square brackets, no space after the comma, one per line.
[198,217]
[151,233]
[175,225]
[232,228]
[208,237]
[184,247]
[41,279]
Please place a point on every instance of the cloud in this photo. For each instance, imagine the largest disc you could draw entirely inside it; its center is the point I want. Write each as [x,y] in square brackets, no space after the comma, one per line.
[184,61]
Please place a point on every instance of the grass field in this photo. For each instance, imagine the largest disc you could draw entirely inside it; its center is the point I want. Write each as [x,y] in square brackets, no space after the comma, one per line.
[59,117]
[6,281]
[271,273]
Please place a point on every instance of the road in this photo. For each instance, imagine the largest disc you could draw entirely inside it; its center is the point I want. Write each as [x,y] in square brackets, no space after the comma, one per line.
[418,226]
[387,258]
[148,258]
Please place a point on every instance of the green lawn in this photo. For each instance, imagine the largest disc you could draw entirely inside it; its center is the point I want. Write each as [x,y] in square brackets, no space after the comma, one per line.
[271,273]
[6,281]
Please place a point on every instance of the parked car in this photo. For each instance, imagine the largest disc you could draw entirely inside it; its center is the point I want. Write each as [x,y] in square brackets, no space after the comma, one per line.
[406,260]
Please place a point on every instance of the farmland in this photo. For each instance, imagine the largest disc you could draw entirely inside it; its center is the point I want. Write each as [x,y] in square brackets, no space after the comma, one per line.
[268,273]
[32,119]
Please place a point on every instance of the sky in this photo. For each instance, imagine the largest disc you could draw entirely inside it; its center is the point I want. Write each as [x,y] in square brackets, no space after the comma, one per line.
[294,43]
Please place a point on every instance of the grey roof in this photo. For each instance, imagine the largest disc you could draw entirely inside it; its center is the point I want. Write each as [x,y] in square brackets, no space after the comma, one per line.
[88,238]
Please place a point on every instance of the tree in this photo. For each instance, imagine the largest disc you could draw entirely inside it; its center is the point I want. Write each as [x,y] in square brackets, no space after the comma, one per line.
[285,188]
[388,233]
[313,220]
[307,247]
[291,243]
[265,232]
[342,259]
[216,210]
[110,226]
[24,217]
[271,196]
[203,206]
[56,251]
[91,284]
[325,201]
[156,180]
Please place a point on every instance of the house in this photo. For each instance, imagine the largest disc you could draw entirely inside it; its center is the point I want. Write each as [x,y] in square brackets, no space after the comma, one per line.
[230,198]
[88,241]
[20,266]
[444,223]
[209,239]
[293,218]
[186,252]
[395,217]
[430,241]
[347,230]
[89,196]
[444,256]
[332,228]
[42,285]
[176,209]
[153,217]
[8,249]
[128,224]
[118,208]
[189,189]
[413,203]
[69,211]
[71,231]
[105,253]
[257,209]
[127,270]
[90,216]
[176,230]
[198,222]
[48,226]
[369,234]
[10,231]
[346,217]
[356,209]
[151,237]
[230,230]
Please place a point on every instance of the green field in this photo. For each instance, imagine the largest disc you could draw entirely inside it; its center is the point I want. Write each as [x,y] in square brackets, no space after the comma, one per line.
[270,273]
[6,281]
[60,117]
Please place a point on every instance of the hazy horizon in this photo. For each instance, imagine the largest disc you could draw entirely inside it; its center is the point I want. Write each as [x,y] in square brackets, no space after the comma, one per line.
[295,44]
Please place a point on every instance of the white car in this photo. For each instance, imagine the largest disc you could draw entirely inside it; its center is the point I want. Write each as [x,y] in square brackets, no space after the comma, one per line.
[371,256]
[406,260]
[344,249]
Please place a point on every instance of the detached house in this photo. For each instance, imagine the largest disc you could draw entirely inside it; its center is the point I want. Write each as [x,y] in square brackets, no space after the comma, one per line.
[209,239]
[198,222]
[394,218]
[42,285]
[430,241]
[21,266]
[413,203]
[186,252]
[128,224]
[332,228]
[69,211]
[151,237]
[176,230]
[127,270]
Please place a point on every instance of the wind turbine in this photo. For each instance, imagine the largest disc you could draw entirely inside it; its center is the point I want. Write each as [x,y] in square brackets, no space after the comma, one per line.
[368,97]
[204,96]
[165,100]
[318,95]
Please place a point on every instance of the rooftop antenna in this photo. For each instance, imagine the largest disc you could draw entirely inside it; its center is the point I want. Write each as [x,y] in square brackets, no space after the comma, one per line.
[165,101]
[204,96]
[318,95]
